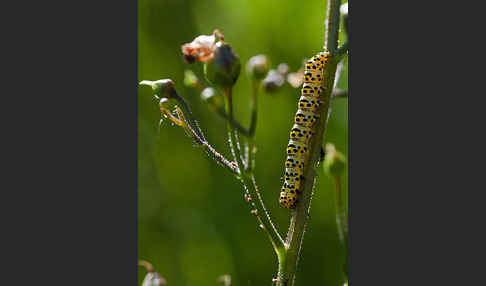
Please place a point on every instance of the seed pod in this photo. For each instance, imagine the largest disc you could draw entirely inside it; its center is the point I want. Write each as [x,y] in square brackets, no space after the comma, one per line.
[161,87]
[224,68]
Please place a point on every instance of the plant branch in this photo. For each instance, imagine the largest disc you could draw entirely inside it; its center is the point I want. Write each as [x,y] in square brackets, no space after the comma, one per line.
[331,26]
[220,111]
[234,144]
[254,115]
[261,213]
[181,121]
[247,178]
[254,107]
[342,51]
[300,215]
[186,107]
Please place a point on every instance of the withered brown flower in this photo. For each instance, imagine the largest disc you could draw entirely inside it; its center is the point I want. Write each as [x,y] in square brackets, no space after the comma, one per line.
[202,48]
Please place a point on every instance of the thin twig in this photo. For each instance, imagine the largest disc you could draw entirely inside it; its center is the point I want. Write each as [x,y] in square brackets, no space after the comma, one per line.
[220,111]
[186,107]
[342,51]
[206,146]
[233,142]
[250,185]
[262,214]
[252,130]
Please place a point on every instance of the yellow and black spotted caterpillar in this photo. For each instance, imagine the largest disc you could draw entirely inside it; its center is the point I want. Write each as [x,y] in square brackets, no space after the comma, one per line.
[304,122]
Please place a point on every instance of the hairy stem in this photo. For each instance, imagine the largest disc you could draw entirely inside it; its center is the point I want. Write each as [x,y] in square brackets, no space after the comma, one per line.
[186,107]
[247,178]
[233,142]
[252,130]
[220,111]
[220,159]
[300,215]
[261,213]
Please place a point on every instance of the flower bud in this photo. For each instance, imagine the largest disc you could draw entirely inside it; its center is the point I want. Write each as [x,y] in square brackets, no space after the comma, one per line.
[190,79]
[257,67]
[225,280]
[208,94]
[273,81]
[153,279]
[164,103]
[283,68]
[334,161]
[224,68]
[161,87]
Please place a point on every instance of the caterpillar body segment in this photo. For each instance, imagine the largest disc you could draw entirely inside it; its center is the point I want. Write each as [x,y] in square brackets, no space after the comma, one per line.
[302,131]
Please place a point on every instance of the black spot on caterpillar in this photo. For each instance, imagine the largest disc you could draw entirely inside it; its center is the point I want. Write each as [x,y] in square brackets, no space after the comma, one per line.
[301,134]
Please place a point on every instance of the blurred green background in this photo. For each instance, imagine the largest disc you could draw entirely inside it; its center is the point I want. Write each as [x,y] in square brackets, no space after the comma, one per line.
[194,224]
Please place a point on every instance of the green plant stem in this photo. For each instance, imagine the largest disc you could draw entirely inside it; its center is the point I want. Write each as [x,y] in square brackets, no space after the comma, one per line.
[228,99]
[220,159]
[247,178]
[261,213]
[342,51]
[331,28]
[254,106]
[254,116]
[220,111]
[186,107]
[300,215]
[341,215]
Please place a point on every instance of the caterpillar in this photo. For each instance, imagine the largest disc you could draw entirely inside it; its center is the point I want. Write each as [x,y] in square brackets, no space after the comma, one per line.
[302,130]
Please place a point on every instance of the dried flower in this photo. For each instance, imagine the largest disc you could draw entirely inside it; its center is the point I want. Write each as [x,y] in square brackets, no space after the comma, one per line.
[221,64]
[202,48]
